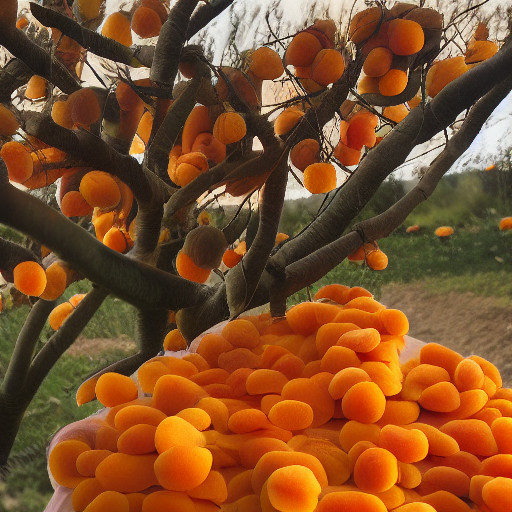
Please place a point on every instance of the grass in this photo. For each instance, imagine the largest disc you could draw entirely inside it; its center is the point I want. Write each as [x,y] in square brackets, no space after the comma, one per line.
[477,260]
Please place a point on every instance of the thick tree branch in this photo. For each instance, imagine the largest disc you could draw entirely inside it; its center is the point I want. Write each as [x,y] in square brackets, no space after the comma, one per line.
[170,43]
[242,280]
[96,153]
[21,358]
[139,284]
[12,76]
[46,358]
[90,40]
[206,13]
[38,60]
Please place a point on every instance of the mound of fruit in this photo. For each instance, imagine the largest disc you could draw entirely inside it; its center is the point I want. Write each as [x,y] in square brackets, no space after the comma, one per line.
[317,411]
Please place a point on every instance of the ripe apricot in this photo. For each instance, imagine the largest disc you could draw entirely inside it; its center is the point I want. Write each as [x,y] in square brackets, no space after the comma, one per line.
[30,278]
[266,64]
[304,153]
[405,37]
[287,120]
[364,24]
[229,128]
[100,189]
[302,50]
[378,62]
[85,108]
[327,67]
[293,489]
[396,113]
[115,240]
[376,470]
[442,73]
[113,389]
[146,22]
[20,165]
[377,260]
[62,462]
[117,27]
[211,147]
[189,270]
[56,280]
[36,88]
[73,204]
[320,178]
[347,156]
[393,82]
[230,258]
[8,122]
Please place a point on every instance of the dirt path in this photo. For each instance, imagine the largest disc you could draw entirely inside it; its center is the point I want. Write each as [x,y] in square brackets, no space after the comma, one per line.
[461,321]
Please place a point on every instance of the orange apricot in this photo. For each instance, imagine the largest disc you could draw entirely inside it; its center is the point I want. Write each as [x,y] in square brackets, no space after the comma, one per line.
[88,461]
[30,278]
[36,88]
[347,156]
[407,445]
[85,108]
[442,73]
[437,355]
[368,84]
[56,280]
[100,189]
[266,64]
[501,428]
[115,239]
[211,147]
[468,375]
[181,468]
[8,122]
[271,461]
[361,130]
[146,22]
[73,204]
[302,50]
[327,67]
[376,470]
[496,494]
[397,113]
[231,258]
[287,120]
[173,393]
[137,414]
[440,397]
[334,292]
[393,82]
[241,333]
[442,478]
[127,473]
[229,127]
[62,462]
[354,432]
[473,436]
[59,314]
[364,402]
[360,340]
[378,62]
[117,27]
[189,270]
[20,165]
[109,500]
[174,341]
[293,489]
[113,389]
[405,37]
[477,51]
[364,24]
[213,489]
[320,178]
[305,153]
[291,415]
[85,492]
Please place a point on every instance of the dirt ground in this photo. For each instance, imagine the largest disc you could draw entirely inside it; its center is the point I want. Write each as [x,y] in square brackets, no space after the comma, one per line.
[463,322]
[466,323]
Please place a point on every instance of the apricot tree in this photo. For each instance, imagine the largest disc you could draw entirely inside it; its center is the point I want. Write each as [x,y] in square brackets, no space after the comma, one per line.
[140,229]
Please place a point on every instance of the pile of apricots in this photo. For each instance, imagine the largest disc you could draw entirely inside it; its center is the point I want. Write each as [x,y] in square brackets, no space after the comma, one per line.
[315,411]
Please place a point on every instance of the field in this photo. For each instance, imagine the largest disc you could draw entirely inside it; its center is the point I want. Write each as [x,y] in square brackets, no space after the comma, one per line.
[458,293]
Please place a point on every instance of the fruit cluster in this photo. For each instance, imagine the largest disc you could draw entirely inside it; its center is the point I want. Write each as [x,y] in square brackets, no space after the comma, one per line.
[392,41]
[312,412]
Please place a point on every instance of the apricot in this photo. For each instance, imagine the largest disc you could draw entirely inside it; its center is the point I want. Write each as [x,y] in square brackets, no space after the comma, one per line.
[146,22]
[117,27]
[393,82]
[405,37]
[328,67]
[302,50]
[30,278]
[266,64]
[320,178]
[378,62]
[229,127]
[20,165]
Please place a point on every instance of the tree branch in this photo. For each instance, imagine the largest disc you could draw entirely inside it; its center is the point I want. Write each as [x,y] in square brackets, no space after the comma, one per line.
[16,373]
[137,283]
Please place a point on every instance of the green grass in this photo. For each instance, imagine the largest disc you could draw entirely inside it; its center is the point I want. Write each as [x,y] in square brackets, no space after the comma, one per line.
[477,260]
